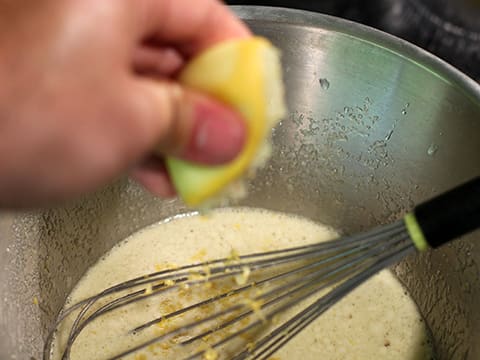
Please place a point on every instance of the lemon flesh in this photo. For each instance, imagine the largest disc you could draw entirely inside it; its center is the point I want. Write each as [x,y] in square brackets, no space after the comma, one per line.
[246,75]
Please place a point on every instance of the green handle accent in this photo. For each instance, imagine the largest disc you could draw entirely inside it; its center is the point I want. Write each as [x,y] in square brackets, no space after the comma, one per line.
[415,232]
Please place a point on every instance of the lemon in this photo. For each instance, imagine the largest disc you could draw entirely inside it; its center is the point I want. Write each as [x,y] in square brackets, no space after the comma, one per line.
[246,75]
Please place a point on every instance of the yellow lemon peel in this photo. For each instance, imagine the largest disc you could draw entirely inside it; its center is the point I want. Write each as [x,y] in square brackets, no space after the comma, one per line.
[244,74]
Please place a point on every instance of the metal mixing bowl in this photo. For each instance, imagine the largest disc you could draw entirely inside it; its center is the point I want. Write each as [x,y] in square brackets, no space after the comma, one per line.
[375,126]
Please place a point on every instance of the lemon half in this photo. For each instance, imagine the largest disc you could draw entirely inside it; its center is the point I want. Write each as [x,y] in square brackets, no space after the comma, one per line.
[245,74]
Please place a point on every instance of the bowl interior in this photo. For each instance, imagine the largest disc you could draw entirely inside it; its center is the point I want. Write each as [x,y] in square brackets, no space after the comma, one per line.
[375,126]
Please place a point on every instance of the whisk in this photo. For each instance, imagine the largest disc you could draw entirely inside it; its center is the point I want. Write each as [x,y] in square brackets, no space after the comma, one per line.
[246,295]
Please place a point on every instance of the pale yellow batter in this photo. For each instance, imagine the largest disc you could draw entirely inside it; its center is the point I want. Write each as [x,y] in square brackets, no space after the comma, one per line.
[376,321]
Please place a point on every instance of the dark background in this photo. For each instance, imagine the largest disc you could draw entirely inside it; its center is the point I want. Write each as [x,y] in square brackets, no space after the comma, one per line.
[448,28]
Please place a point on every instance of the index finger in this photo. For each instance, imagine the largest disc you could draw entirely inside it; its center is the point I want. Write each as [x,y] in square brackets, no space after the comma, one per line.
[190,26]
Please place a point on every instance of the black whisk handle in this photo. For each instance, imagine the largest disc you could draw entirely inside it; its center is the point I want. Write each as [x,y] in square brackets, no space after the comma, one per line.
[450,215]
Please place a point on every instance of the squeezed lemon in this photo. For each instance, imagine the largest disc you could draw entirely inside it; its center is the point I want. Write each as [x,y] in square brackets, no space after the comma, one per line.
[246,75]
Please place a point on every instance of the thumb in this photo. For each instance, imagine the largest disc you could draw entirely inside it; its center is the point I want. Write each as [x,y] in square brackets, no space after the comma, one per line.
[190,125]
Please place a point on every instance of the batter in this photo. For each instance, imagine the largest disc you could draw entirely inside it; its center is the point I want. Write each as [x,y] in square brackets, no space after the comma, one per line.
[376,321]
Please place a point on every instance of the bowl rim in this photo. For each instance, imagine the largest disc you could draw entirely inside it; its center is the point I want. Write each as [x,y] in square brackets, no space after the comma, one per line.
[393,44]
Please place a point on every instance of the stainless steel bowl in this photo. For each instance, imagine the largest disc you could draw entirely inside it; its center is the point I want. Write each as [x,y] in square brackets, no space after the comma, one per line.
[375,126]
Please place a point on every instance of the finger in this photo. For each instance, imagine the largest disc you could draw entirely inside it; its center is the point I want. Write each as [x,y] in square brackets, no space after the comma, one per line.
[189,125]
[153,175]
[157,61]
[191,28]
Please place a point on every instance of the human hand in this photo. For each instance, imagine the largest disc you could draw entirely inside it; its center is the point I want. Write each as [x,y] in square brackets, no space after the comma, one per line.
[87,90]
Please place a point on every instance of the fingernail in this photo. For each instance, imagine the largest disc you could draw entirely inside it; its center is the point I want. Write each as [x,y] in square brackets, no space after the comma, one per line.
[218,134]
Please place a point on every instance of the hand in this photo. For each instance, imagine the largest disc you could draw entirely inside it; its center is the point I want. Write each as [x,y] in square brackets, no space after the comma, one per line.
[87,90]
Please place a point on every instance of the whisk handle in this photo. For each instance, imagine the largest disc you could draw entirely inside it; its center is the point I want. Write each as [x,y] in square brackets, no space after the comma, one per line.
[451,214]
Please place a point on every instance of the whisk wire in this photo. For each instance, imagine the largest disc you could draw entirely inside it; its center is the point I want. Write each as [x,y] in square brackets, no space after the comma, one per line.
[293,287]
[281,329]
[300,273]
[301,320]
